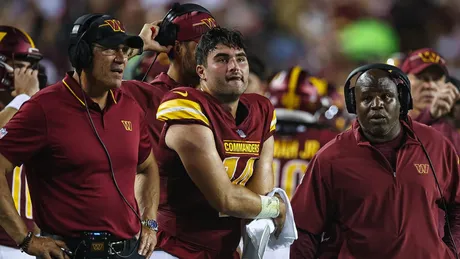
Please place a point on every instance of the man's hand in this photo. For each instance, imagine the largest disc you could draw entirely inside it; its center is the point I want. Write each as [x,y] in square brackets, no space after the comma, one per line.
[444,100]
[25,81]
[279,221]
[47,248]
[148,241]
[148,34]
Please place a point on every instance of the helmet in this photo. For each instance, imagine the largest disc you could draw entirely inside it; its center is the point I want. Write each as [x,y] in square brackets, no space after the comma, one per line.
[15,44]
[335,117]
[297,95]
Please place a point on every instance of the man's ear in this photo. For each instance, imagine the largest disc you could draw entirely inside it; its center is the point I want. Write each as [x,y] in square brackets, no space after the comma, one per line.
[177,47]
[201,72]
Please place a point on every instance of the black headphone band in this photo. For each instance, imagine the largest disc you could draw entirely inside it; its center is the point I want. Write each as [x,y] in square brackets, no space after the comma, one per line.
[406,100]
[178,10]
[392,69]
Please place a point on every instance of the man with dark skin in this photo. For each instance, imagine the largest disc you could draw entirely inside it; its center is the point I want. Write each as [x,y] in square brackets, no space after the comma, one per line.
[375,182]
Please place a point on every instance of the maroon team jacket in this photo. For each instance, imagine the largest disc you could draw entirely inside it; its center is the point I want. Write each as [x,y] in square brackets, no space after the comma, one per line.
[381,213]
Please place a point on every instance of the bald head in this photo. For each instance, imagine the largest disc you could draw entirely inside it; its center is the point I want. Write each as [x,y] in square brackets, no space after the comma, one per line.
[375,77]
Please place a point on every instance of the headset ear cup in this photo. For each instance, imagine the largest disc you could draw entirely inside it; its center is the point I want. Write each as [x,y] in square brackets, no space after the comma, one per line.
[404,98]
[86,53]
[73,55]
[82,55]
[350,99]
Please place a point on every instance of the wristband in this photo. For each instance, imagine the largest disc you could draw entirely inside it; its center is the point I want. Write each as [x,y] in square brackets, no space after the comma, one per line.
[18,101]
[270,207]
[24,245]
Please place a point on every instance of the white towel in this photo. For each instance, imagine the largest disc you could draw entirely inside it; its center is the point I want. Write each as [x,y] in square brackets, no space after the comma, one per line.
[260,232]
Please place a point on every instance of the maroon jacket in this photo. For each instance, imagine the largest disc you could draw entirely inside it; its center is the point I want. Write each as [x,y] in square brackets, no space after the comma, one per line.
[380,213]
[442,125]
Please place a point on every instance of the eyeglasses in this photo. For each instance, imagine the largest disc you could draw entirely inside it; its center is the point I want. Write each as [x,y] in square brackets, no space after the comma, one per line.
[125,50]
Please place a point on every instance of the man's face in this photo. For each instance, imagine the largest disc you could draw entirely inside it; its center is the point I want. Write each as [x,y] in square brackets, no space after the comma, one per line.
[108,65]
[188,62]
[377,106]
[425,84]
[19,63]
[226,73]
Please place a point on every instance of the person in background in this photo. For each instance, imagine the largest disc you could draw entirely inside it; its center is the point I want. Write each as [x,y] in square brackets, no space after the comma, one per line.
[19,80]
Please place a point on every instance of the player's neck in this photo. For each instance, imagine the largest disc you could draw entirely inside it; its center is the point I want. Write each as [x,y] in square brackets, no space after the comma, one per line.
[175,73]
[92,89]
[231,107]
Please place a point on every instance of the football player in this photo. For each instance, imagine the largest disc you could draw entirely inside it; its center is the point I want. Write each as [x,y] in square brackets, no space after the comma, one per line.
[300,100]
[307,118]
[19,80]
[217,152]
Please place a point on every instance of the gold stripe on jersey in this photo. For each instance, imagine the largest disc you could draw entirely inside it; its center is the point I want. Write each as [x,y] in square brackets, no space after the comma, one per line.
[291,100]
[181,109]
[237,147]
[273,123]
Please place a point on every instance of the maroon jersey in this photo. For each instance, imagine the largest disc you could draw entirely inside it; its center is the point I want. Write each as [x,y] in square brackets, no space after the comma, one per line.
[17,183]
[68,172]
[292,153]
[381,212]
[184,213]
[148,96]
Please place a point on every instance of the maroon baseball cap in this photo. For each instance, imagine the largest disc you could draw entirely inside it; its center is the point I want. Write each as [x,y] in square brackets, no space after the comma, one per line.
[194,24]
[420,59]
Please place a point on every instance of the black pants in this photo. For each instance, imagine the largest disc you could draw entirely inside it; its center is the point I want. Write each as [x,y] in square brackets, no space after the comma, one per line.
[73,244]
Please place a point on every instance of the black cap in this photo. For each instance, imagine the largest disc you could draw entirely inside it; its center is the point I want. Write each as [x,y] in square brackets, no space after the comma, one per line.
[109,32]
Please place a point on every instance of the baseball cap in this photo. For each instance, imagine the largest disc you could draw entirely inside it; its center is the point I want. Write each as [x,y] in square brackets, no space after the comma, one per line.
[420,59]
[110,32]
[192,25]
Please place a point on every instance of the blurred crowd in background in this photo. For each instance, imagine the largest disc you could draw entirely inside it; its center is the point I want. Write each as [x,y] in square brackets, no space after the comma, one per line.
[326,37]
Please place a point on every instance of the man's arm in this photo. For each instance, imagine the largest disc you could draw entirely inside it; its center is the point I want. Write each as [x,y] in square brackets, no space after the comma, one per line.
[312,206]
[262,181]
[147,188]
[9,217]
[197,150]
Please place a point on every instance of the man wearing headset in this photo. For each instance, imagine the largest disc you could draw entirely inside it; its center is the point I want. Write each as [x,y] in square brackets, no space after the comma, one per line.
[82,141]
[376,182]
[18,82]
[180,31]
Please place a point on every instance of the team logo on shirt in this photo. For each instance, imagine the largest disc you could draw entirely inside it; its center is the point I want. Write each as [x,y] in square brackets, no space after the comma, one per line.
[128,125]
[97,246]
[3,132]
[422,168]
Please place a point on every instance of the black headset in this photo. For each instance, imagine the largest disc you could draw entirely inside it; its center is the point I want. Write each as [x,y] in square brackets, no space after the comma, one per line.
[168,30]
[403,86]
[80,53]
